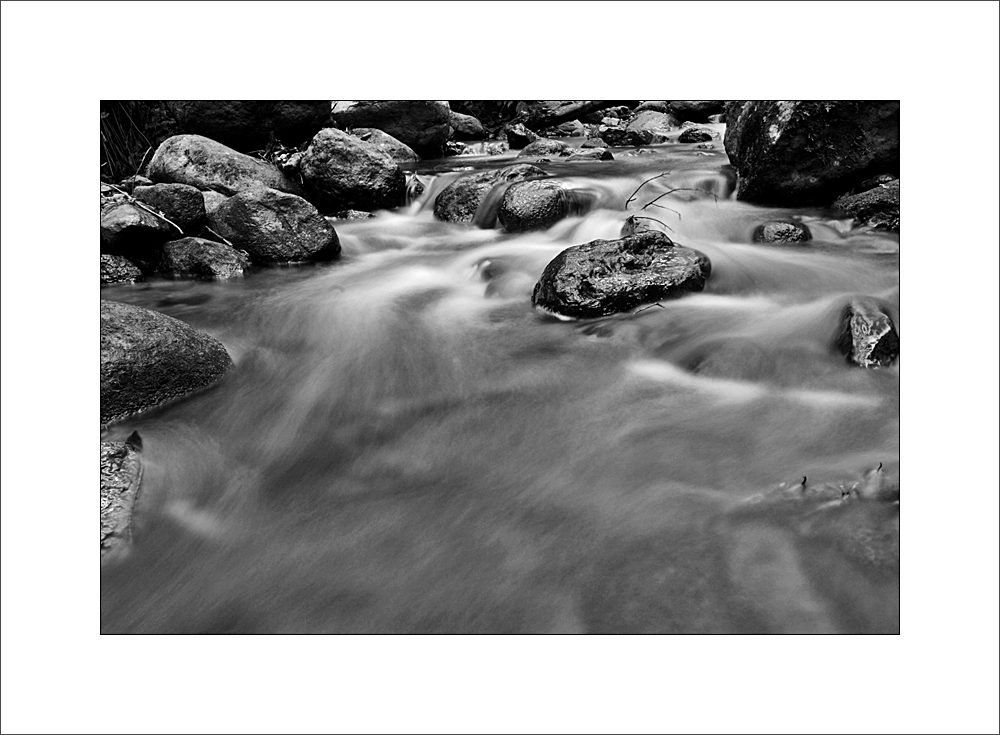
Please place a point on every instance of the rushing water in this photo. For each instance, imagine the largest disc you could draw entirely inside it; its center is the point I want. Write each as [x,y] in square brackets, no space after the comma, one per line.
[405,445]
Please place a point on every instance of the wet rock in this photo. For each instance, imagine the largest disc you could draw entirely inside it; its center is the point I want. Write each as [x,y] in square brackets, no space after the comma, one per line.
[593,143]
[533,205]
[654,105]
[275,227]
[148,358]
[397,150]
[465,127]
[696,110]
[571,129]
[208,165]
[647,128]
[613,133]
[545,147]
[350,214]
[250,124]
[453,148]
[118,269]
[182,204]
[486,148]
[877,207]
[129,229]
[611,276]
[541,114]
[518,136]
[782,232]
[341,171]
[867,335]
[459,201]
[590,154]
[795,153]
[423,125]
[414,188]
[121,475]
[695,135]
[195,257]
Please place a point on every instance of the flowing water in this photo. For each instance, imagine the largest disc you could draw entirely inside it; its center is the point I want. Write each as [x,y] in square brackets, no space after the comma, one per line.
[405,445]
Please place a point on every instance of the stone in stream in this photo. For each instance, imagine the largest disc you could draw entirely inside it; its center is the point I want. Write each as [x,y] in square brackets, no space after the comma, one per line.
[877,207]
[459,201]
[121,475]
[781,232]
[275,227]
[794,153]
[571,129]
[533,205]
[648,128]
[518,136]
[249,124]
[698,111]
[423,125]
[149,358]
[341,172]
[206,164]
[196,257]
[465,127]
[397,150]
[182,204]
[610,276]
[694,135]
[590,154]
[593,143]
[867,335]
[118,269]
[545,147]
[131,230]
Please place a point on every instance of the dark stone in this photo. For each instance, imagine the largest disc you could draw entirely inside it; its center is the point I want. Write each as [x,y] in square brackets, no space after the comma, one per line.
[148,358]
[454,148]
[121,474]
[696,110]
[465,127]
[695,135]
[571,129]
[131,182]
[118,269]
[423,125]
[614,134]
[533,205]
[486,148]
[611,276]
[206,164]
[250,124]
[350,214]
[877,208]
[654,105]
[397,150]
[518,136]
[593,143]
[129,229]
[782,232]
[344,172]
[547,113]
[275,227]
[545,147]
[648,128]
[590,154]
[459,201]
[195,257]
[796,153]
[181,204]
[867,335]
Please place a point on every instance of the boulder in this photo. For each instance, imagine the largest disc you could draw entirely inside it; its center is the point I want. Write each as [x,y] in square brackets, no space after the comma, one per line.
[206,164]
[130,229]
[877,208]
[547,113]
[182,204]
[797,153]
[533,205]
[275,227]
[782,232]
[212,200]
[610,276]
[867,335]
[518,136]
[545,147]
[148,358]
[613,132]
[250,124]
[647,128]
[118,269]
[195,257]
[654,105]
[459,201]
[341,172]
[696,110]
[593,143]
[590,154]
[131,182]
[465,127]
[571,129]
[397,150]
[694,135]
[424,125]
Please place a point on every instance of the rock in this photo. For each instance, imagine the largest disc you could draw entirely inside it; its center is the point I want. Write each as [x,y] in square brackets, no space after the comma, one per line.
[288,163]
[593,143]
[129,229]
[423,125]
[647,128]
[545,147]
[459,201]
[782,232]
[148,358]
[182,204]
[344,172]
[518,136]
[590,154]
[121,475]
[610,276]
[397,151]
[613,133]
[694,135]
[212,200]
[275,227]
[867,335]
[465,127]
[414,188]
[654,105]
[250,124]
[131,182]
[547,113]
[118,269]
[696,110]
[796,153]
[350,214]
[571,129]
[453,148]
[206,164]
[877,208]
[533,205]
[486,148]
[195,257]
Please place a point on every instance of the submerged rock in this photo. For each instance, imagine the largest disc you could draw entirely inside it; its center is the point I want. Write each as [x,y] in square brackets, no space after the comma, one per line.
[249,124]
[867,335]
[609,276]
[782,232]
[148,358]
[545,147]
[341,171]
[877,207]
[121,475]
[694,135]
[397,150]
[118,269]
[423,125]
[195,257]
[180,203]
[459,201]
[533,205]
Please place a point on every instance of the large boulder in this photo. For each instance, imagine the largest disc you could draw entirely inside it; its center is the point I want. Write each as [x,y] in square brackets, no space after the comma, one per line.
[206,164]
[148,358]
[424,125]
[649,127]
[867,335]
[118,269]
[611,276]
[131,230]
[341,172]
[696,110]
[541,114]
[465,127]
[196,257]
[533,205]
[459,201]
[182,204]
[250,124]
[397,150]
[877,207]
[796,153]
[275,227]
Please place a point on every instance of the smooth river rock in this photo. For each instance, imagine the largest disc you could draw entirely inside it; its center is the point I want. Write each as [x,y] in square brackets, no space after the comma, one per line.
[196,257]
[459,201]
[342,171]
[533,205]
[781,232]
[423,125]
[182,204]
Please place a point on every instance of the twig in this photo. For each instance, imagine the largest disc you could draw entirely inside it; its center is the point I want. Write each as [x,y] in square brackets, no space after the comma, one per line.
[646,307]
[209,229]
[681,188]
[636,216]
[660,206]
[142,161]
[141,205]
[632,198]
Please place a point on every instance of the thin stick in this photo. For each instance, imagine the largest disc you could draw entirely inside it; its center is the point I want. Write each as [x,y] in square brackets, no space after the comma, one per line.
[647,307]
[636,216]
[133,200]
[682,188]
[660,206]
[209,229]
[632,198]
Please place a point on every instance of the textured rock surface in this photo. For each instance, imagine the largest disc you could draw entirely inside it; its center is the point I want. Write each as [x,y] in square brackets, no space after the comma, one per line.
[121,475]
[590,154]
[195,257]
[518,136]
[610,276]
[424,125]
[533,205]
[182,204]
[341,172]
[647,128]
[459,201]
[545,147]
[131,230]
[148,358]
[397,150]
[695,135]
[118,269]
[782,232]
[465,127]
[877,208]
[867,335]
[249,124]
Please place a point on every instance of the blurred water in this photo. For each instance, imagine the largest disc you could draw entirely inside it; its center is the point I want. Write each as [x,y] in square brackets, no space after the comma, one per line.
[405,445]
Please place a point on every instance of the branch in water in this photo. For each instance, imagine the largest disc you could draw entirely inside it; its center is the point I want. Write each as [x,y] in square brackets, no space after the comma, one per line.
[141,205]
[632,198]
[682,188]
[647,307]
[636,216]
[660,206]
